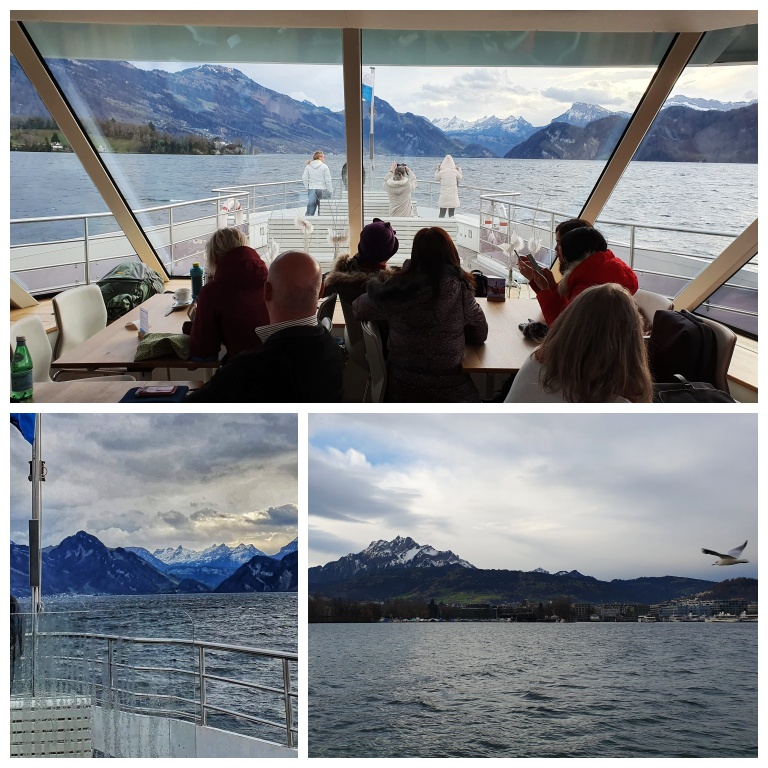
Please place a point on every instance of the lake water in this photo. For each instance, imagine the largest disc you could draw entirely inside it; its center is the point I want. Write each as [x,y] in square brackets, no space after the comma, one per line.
[262,620]
[533,690]
[720,197]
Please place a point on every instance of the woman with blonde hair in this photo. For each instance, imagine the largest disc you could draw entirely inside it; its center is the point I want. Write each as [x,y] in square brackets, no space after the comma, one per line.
[231,304]
[317,182]
[594,353]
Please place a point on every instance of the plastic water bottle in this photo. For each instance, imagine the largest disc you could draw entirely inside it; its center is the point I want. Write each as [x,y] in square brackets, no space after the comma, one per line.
[196,273]
[21,371]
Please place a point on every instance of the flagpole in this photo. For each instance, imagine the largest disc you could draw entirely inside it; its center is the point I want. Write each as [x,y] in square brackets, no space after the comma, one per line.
[35,547]
[370,138]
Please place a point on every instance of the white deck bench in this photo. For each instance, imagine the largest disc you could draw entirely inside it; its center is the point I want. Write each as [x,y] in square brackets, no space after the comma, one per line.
[283,229]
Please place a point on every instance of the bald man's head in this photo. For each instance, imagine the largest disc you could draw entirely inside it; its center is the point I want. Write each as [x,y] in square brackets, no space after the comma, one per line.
[293,287]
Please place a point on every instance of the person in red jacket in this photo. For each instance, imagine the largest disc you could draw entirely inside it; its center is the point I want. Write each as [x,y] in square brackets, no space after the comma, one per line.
[585,260]
[231,304]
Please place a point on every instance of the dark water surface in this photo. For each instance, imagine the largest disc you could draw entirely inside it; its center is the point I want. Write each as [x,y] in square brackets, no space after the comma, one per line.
[533,690]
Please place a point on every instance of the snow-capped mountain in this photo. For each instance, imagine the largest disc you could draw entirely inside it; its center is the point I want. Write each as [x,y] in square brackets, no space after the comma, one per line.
[264,574]
[705,104]
[496,134]
[453,124]
[401,552]
[292,546]
[82,564]
[216,554]
[581,114]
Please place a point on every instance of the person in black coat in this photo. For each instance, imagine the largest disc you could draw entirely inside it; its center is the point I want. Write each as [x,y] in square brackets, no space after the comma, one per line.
[299,361]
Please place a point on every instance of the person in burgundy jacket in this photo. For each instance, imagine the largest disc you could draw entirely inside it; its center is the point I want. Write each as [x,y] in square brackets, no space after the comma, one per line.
[585,260]
[231,304]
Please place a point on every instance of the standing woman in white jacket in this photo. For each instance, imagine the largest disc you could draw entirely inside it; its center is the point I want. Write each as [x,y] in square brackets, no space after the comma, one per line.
[449,176]
[317,182]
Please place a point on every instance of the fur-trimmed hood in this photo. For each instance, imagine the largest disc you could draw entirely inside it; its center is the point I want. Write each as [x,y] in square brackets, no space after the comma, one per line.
[597,268]
[349,280]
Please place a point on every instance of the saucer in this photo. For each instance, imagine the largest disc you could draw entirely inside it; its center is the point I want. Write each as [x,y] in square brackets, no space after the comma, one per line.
[176,305]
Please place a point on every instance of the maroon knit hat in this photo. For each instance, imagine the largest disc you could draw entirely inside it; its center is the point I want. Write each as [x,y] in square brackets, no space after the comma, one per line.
[377,243]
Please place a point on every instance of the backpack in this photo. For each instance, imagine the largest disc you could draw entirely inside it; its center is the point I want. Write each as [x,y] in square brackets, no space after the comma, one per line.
[481,283]
[128,285]
[681,344]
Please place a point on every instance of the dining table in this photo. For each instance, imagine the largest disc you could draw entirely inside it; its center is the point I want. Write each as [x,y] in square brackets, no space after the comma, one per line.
[505,349]
[99,390]
[115,346]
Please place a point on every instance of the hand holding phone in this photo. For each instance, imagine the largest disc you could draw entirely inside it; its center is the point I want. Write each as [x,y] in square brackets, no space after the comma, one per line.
[535,264]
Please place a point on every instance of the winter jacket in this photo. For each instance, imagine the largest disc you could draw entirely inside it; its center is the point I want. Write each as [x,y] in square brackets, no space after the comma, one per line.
[230,306]
[317,176]
[449,176]
[599,268]
[299,364]
[348,280]
[426,336]
[527,387]
[399,193]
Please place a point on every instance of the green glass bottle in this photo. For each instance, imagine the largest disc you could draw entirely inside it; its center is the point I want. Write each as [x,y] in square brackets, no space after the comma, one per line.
[21,371]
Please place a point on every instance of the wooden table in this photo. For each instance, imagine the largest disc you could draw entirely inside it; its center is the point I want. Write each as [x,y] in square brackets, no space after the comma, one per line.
[506,348]
[115,346]
[95,391]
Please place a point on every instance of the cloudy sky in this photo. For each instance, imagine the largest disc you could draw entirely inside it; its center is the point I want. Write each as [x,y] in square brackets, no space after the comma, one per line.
[537,94]
[610,495]
[162,480]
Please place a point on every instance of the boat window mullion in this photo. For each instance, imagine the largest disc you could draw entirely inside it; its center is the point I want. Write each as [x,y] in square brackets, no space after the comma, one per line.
[353,118]
[672,66]
[33,64]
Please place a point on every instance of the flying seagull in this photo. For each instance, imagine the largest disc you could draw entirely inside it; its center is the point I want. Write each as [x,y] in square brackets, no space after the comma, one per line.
[730,559]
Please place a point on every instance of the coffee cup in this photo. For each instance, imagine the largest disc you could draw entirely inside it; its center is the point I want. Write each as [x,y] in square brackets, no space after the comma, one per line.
[183,295]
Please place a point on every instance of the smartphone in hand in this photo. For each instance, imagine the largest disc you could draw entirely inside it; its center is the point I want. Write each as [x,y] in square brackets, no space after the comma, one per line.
[535,264]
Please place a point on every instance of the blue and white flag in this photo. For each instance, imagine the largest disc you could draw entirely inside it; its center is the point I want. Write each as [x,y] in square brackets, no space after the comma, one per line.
[25,423]
[368,87]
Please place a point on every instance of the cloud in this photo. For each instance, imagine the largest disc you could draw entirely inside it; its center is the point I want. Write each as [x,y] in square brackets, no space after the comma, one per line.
[605,494]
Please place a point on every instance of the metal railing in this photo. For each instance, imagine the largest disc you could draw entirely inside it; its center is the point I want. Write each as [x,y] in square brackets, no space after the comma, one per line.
[181,241]
[112,692]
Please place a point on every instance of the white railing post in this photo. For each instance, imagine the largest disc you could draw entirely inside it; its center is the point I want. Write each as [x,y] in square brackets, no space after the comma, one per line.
[87,252]
[632,246]
[288,706]
[201,673]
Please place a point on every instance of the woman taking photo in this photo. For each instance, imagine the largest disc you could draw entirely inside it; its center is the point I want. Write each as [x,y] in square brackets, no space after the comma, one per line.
[584,260]
[231,304]
[594,353]
[432,313]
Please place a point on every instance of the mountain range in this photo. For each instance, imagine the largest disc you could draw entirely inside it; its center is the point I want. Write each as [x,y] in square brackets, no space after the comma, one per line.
[402,568]
[82,564]
[219,102]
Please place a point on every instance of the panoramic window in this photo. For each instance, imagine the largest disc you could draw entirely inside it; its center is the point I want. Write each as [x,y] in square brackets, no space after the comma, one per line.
[529,118]
[205,127]
[691,188]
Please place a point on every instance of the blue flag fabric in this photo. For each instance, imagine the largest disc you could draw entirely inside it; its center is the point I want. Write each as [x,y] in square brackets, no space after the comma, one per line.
[367,93]
[25,423]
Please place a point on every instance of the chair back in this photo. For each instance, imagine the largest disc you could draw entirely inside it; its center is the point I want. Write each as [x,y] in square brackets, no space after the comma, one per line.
[80,313]
[37,343]
[648,302]
[374,352]
[726,343]
[326,308]
[353,336]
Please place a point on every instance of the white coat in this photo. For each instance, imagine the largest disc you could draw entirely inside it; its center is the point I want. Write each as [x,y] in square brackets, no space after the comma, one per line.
[449,176]
[317,176]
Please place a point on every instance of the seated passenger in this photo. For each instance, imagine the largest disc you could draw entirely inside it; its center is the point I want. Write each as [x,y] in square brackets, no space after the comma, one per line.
[298,361]
[432,313]
[231,303]
[399,183]
[584,261]
[350,276]
[594,353]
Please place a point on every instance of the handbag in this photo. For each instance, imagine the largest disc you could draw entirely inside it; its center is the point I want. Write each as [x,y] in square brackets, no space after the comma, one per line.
[683,391]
